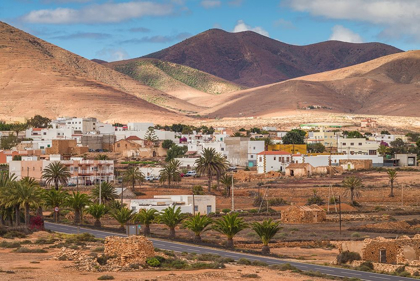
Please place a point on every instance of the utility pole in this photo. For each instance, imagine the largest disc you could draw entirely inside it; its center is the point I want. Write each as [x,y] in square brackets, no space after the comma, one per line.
[339,211]
[233,196]
[100,186]
[122,194]
[402,195]
[193,193]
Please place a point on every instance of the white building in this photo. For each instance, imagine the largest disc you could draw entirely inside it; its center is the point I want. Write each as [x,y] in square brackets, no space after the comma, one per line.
[389,138]
[203,204]
[357,146]
[327,138]
[254,147]
[188,163]
[133,126]
[323,160]
[160,134]
[241,151]
[273,161]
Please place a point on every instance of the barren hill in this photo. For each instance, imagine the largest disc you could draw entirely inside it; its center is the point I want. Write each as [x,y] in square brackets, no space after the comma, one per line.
[389,85]
[250,59]
[174,79]
[40,78]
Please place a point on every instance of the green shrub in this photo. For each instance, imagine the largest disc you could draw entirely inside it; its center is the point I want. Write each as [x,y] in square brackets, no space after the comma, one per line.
[348,257]
[259,263]
[27,250]
[404,274]
[366,266]
[153,262]
[283,267]
[134,265]
[198,190]
[98,249]
[253,211]
[43,241]
[14,234]
[5,244]
[355,235]
[250,275]
[277,202]
[226,211]
[106,277]
[175,263]
[208,257]
[244,261]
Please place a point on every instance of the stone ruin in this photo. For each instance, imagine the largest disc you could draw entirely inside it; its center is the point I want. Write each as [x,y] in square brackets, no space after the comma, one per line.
[303,214]
[129,250]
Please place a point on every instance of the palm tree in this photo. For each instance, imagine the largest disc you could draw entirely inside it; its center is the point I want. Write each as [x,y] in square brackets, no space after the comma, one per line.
[133,175]
[97,211]
[226,180]
[122,216]
[392,175]
[210,163]
[352,184]
[108,192]
[57,173]
[25,193]
[146,217]
[6,177]
[171,172]
[7,209]
[55,198]
[171,217]
[266,231]
[198,224]
[102,157]
[230,225]
[78,201]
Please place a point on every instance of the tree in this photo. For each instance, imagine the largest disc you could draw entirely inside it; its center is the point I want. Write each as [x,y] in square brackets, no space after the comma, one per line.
[171,172]
[197,224]
[316,147]
[226,180]
[166,144]
[102,157]
[55,198]
[146,217]
[294,137]
[133,175]
[56,173]
[171,217]
[7,208]
[78,201]
[383,149]
[97,211]
[392,175]
[398,146]
[25,193]
[230,225]
[107,191]
[352,184]
[151,135]
[122,216]
[39,122]
[354,135]
[176,151]
[7,142]
[385,132]
[266,231]
[19,127]
[211,163]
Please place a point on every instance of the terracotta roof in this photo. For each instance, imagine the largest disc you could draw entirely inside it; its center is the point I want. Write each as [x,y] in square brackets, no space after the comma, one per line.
[36,129]
[274,153]
[133,138]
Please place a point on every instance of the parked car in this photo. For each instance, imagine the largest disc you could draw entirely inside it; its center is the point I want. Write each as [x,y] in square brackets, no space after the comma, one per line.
[156,177]
[71,184]
[190,174]
[232,169]
[149,178]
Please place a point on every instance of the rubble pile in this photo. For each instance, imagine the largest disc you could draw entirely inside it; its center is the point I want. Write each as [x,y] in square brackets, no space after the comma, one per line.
[129,250]
[82,261]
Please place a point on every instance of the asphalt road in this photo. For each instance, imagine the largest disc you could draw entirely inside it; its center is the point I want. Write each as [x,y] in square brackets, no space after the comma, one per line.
[184,247]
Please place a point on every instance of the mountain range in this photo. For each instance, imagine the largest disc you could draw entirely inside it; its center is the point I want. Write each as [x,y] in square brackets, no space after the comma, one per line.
[213,74]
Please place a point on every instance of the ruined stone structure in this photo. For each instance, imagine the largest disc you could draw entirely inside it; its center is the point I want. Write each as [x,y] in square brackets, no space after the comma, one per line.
[303,214]
[351,164]
[403,250]
[299,170]
[132,249]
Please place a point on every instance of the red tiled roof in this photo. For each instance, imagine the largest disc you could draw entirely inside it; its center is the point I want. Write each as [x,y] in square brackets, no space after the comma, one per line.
[36,129]
[274,153]
[133,138]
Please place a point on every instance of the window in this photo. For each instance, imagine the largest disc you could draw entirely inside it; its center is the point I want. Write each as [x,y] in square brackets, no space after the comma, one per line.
[196,208]
[360,143]
[254,148]
[344,143]
[33,169]
[222,149]
[274,158]
[260,159]
[118,145]
[352,144]
[287,159]
[252,156]
[76,169]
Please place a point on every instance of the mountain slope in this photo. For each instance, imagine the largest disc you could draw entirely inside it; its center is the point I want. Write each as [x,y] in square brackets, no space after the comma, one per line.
[40,78]
[389,85]
[250,59]
[177,80]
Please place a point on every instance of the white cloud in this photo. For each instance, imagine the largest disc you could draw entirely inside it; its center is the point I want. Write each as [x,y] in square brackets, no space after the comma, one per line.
[208,4]
[99,13]
[109,54]
[284,24]
[242,26]
[397,17]
[340,33]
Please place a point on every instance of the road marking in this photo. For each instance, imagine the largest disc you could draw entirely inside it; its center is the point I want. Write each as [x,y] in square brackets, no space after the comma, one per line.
[385,278]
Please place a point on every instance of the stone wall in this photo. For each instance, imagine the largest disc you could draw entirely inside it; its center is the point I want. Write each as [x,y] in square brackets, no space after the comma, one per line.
[132,249]
[355,164]
[303,214]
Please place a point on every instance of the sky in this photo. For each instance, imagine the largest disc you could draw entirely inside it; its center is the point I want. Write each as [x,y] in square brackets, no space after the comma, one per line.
[121,29]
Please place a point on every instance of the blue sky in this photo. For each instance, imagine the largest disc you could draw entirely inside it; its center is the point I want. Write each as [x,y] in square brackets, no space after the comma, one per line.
[122,29]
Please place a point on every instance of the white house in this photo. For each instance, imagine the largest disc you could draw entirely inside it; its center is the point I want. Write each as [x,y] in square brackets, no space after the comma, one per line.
[357,146]
[389,138]
[133,126]
[254,147]
[268,161]
[203,204]
[323,160]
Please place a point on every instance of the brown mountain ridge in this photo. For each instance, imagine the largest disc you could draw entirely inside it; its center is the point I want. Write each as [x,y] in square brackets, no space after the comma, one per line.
[251,59]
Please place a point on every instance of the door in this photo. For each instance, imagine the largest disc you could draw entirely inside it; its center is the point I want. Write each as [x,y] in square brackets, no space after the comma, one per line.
[208,209]
[382,256]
